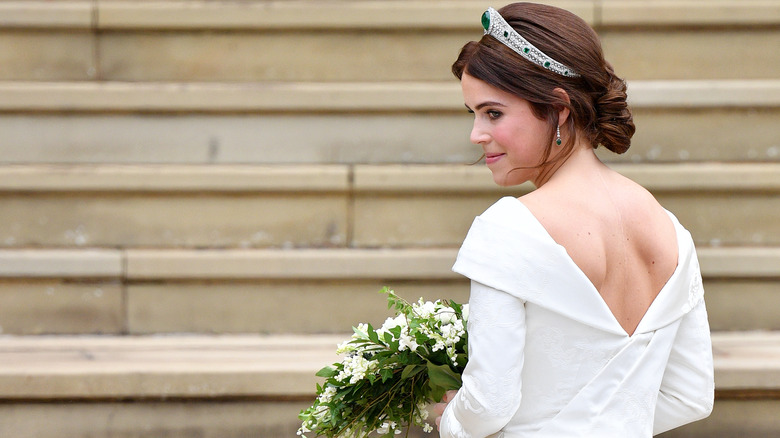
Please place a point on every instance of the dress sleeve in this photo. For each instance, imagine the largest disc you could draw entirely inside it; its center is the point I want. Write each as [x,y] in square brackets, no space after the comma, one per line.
[687,389]
[491,390]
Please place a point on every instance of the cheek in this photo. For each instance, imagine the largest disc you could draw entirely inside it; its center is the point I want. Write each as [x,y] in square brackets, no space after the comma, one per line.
[515,141]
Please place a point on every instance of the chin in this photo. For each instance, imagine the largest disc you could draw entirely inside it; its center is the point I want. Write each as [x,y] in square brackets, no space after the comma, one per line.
[504,180]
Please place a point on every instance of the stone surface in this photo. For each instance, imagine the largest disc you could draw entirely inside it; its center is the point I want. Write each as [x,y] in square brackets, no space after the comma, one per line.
[58,263]
[752,218]
[274,367]
[32,14]
[202,219]
[332,306]
[742,304]
[260,14]
[276,419]
[174,179]
[303,306]
[231,138]
[393,55]
[162,367]
[344,97]
[336,263]
[54,55]
[434,219]
[55,307]
[734,418]
[659,52]
[242,419]
[357,55]
[663,135]
[168,419]
[688,13]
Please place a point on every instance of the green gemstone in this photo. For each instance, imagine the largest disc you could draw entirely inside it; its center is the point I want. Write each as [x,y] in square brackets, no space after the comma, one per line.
[547,64]
[526,49]
[486,20]
[558,142]
[506,34]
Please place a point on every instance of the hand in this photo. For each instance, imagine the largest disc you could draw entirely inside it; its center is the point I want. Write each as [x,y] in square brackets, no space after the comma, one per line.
[439,408]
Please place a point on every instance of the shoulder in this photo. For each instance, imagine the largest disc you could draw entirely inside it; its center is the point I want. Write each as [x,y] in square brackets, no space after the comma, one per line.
[504,225]
[506,248]
[507,210]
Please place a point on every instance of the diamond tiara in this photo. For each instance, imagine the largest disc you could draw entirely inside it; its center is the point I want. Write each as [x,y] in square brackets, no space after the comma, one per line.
[498,28]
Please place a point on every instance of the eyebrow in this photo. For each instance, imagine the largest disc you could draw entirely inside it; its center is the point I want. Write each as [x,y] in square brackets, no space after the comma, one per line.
[488,103]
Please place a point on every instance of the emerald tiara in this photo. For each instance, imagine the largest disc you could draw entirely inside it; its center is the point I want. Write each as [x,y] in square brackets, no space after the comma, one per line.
[498,28]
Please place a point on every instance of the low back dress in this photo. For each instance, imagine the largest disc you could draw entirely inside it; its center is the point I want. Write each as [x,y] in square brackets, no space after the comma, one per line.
[547,357]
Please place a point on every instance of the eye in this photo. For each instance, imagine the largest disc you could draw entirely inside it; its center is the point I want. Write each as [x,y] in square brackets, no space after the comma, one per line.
[493,114]
[470,111]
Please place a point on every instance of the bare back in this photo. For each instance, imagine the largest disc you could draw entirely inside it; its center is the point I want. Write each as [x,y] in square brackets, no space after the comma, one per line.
[618,235]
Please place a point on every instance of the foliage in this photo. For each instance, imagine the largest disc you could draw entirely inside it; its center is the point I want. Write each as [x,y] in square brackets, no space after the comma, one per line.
[389,375]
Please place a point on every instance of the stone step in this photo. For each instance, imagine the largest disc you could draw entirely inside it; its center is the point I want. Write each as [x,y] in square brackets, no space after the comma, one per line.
[231,206]
[118,378]
[359,40]
[143,291]
[201,123]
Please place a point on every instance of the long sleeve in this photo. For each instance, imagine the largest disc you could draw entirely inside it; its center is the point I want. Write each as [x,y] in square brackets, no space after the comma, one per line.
[491,390]
[687,389]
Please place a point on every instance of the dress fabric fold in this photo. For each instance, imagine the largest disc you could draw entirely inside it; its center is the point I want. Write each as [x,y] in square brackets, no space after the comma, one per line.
[566,366]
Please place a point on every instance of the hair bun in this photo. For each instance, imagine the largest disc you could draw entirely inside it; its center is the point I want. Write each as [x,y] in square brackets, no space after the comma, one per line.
[614,122]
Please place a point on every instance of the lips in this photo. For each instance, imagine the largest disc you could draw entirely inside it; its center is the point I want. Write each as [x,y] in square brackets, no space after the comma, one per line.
[492,158]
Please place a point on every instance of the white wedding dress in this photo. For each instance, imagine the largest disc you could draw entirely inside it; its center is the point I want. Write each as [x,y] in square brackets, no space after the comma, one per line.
[547,358]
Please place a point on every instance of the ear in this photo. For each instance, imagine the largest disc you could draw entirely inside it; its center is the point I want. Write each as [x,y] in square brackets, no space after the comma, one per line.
[563,110]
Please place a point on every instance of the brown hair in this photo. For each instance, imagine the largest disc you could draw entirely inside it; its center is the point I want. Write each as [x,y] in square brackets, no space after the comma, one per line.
[597,107]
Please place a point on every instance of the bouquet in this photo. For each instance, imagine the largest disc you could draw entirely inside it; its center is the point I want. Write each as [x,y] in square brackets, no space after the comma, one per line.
[389,375]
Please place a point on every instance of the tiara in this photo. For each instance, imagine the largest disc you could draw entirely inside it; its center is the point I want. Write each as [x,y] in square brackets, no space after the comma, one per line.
[498,28]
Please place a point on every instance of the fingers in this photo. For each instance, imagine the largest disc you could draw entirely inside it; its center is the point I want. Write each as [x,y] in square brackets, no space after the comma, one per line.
[439,408]
[449,395]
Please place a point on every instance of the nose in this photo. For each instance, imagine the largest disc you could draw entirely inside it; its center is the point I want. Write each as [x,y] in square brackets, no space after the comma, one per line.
[478,135]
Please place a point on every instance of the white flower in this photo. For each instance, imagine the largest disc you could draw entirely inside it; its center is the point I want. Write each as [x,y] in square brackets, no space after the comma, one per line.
[398,321]
[304,429]
[383,429]
[321,412]
[446,315]
[345,347]
[424,309]
[423,411]
[390,323]
[427,428]
[328,394]
[465,310]
[361,331]
[407,341]
[355,368]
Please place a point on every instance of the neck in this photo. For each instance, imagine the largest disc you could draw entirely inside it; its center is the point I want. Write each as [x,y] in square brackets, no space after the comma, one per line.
[582,157]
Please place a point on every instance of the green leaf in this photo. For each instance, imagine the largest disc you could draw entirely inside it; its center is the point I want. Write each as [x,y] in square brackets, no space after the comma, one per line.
[443,377]
[386,374]
[372,334]
[328,371]
[411,370]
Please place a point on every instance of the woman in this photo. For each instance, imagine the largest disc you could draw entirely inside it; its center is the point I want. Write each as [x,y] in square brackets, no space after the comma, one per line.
[587,316]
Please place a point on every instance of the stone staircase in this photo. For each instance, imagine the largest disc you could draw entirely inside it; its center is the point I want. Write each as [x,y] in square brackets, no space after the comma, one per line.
[198,198]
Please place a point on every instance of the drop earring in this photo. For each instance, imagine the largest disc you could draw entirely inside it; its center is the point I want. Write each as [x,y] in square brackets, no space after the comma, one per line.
[558,135]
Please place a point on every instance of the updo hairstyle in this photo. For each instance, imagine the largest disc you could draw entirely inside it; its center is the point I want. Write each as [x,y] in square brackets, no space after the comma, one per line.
[598,105]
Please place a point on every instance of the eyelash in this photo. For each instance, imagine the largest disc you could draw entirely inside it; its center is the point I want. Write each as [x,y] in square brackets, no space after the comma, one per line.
[492,114]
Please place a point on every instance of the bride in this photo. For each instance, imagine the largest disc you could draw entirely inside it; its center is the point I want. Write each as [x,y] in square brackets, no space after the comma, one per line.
[587,316]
